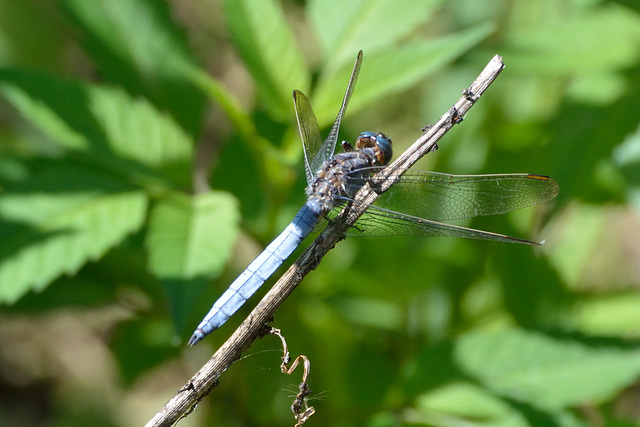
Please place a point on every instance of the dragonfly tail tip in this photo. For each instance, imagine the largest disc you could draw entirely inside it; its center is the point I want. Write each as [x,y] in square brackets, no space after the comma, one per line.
[195,338]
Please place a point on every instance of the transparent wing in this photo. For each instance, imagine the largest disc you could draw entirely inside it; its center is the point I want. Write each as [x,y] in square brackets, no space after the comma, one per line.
[438,196]
[309,132]
[315,151]
[420,197]
[330,144]
[382,222]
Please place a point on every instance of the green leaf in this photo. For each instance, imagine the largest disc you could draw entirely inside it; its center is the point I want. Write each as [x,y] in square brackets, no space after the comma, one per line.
[56,221]
[480,407]
[608,41]
[610,315]
[577,250]
[267,45]
[344,28]
[104,123]
[30,37]
[547,372]
[627,158]
[192,236]
[463,400]
[135,130]
[137,44]
[390,71]
[260,146]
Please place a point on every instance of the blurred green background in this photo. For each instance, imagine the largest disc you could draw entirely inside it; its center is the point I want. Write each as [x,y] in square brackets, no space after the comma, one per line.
[149,150]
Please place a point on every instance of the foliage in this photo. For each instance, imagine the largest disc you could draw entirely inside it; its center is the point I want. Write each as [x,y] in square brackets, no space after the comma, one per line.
[149,150]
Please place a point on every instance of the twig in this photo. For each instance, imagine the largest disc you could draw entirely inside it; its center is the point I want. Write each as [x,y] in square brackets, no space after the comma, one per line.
[207,377]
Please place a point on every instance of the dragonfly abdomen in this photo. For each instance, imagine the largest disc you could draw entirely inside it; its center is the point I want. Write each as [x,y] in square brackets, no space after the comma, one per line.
[257,272]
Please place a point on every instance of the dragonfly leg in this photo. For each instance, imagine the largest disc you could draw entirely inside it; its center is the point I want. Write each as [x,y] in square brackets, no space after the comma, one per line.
[347,147]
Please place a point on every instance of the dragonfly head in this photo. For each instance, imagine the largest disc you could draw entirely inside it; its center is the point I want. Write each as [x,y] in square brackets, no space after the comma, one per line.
[380,143]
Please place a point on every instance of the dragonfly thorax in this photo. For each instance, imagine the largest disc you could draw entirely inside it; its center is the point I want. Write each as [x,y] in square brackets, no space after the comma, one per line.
[329,187]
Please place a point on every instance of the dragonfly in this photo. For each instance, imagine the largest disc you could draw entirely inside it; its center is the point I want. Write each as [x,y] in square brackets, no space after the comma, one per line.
[413,205]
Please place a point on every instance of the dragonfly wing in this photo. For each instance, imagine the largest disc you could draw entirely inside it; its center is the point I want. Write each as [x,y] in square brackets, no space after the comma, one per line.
[329,146]
[378,222]
[309,133]
[438,196]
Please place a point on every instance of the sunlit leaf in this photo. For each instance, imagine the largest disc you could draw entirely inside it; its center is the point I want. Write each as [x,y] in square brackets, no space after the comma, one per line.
[390,71]
[615,315]
[344,28]
[465,400]
[57,221]
[266,43]
[137,44]
[104,123]
[546,371]
[469,403]
[610,31]
[191,236]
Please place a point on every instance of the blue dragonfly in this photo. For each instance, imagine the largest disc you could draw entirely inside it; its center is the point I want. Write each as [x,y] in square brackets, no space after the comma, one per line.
[412,206]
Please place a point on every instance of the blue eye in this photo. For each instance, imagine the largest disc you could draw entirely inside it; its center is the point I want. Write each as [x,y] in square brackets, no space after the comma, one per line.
[379,142]
[386,150]
[367,134]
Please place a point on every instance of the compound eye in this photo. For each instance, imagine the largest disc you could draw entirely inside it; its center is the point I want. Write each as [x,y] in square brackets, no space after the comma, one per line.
[384,153]
[380,143]
[366,139]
